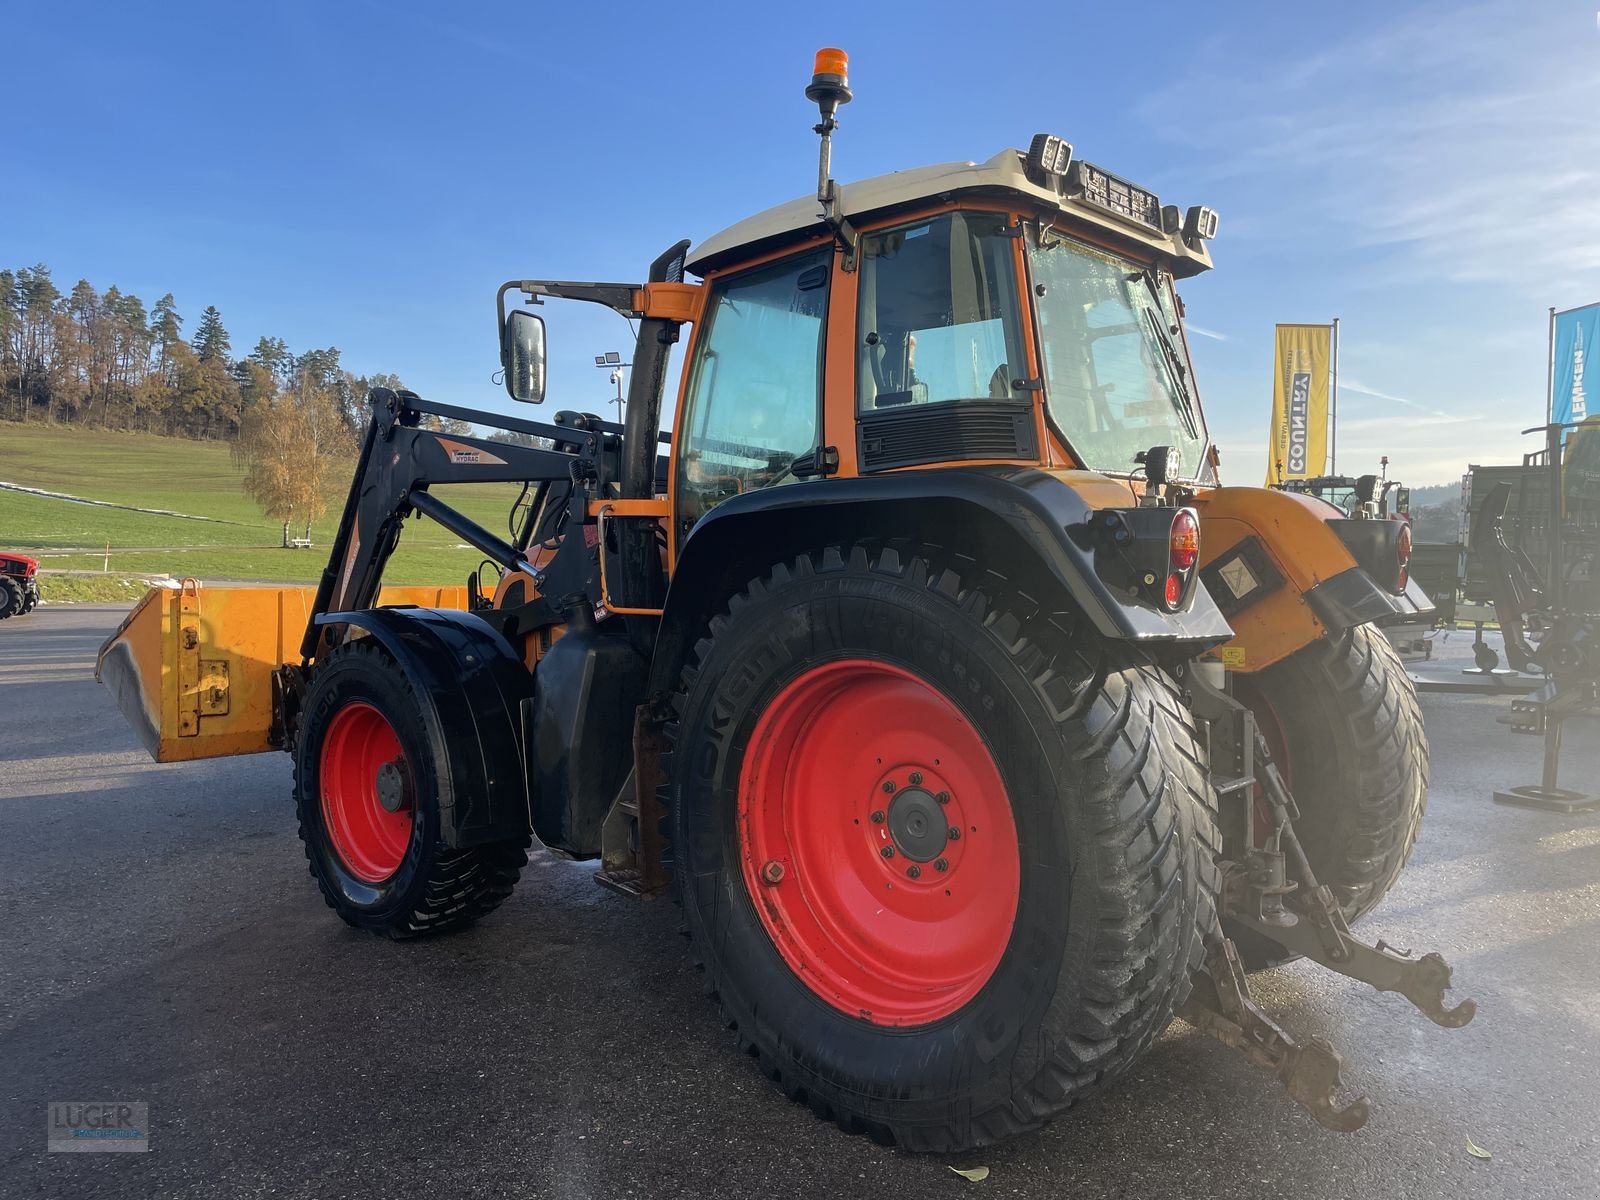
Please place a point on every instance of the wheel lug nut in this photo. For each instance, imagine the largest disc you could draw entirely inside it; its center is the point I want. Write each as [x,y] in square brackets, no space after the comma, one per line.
[877,817]
[887,852]
[916,777]
[954,834]
[772,871]
[942,864]
[888,785]
[913,871]
[943,797]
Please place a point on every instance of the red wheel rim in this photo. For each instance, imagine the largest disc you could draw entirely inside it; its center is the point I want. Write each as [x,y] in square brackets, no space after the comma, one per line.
[361,766]
[851,760]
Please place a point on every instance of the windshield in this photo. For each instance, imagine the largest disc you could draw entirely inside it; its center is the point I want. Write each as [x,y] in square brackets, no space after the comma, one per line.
[1116,373]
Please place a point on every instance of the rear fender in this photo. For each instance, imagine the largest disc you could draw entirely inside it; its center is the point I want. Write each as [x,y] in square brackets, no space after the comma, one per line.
[1287,569]
[470,684]
[1032,526]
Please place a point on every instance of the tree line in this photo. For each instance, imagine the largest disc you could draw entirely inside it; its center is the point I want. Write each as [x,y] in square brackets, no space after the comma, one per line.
[103,360]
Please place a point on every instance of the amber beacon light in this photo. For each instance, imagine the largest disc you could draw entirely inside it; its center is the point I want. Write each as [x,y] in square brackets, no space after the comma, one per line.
[830,76]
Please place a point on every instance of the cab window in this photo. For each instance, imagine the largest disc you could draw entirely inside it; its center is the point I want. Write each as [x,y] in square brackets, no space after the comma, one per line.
[938,314]
[754,395]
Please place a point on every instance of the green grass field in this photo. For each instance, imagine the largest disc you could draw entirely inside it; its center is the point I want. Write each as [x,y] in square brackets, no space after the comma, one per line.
[198,478]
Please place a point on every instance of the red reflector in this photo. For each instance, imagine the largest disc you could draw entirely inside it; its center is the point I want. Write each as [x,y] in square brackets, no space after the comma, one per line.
[1174,590]
[1184,543]
[1402,545]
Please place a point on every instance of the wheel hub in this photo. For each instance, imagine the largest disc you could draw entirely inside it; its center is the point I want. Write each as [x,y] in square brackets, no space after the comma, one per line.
[917,825]
[394,785]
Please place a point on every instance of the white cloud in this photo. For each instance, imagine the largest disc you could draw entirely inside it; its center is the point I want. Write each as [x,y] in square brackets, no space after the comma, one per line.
[1459,138]
[1351,385]
[1204,332]
[1400,421]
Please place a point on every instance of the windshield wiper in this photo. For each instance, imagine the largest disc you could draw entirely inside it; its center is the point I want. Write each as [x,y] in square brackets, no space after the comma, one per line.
[1175,367]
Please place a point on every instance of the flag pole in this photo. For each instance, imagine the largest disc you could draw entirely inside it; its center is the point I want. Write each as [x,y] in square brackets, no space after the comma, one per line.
[1333,456]
[1550,372]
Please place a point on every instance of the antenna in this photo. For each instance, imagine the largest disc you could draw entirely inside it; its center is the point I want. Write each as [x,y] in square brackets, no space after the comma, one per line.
[829,88]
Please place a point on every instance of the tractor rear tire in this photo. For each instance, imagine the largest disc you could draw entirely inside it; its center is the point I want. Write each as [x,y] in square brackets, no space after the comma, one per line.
[1341,718]
[10,597]
[946,859]
[368,806]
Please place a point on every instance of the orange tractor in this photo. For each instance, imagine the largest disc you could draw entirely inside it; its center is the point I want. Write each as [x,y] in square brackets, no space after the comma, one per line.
[979,730]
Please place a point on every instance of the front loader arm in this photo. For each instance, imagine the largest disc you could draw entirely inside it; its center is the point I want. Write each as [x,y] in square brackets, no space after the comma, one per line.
[398,464]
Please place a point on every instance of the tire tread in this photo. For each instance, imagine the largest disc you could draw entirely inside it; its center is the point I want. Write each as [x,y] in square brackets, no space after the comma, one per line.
[1156,931]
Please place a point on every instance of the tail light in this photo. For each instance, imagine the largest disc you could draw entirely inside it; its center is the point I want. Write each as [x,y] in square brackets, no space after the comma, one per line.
[1183,551]
[1151,553]
[1402,552]
[1184,543]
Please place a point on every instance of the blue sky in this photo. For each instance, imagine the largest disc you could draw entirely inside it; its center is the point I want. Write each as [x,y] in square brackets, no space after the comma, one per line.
[366,173]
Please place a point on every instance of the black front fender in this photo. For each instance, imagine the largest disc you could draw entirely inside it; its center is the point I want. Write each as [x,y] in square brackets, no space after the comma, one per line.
[1024,523]
[470,685]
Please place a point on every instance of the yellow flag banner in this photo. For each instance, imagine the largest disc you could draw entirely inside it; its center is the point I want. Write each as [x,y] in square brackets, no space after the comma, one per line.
[1299,445]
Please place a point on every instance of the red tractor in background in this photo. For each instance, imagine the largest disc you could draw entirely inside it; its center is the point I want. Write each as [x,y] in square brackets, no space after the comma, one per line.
[19,585]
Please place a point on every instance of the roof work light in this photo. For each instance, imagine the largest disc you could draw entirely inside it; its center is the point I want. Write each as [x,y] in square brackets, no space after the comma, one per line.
[1199,223]
[1049,156]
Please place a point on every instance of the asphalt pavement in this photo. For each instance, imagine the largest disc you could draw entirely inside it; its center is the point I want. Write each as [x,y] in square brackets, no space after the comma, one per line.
[162,942]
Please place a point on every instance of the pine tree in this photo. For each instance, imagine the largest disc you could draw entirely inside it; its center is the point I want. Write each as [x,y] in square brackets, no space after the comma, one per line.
[32,346]
[273,354]
[166,326]
[211,339]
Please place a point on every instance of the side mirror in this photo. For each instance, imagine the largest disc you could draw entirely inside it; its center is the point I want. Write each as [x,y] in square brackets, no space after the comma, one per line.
[522,356]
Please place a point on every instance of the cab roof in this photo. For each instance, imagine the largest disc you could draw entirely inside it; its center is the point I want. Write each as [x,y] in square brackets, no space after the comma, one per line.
[1003,175]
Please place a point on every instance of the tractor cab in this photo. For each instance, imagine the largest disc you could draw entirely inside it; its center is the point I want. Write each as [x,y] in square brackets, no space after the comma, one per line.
[1017,310]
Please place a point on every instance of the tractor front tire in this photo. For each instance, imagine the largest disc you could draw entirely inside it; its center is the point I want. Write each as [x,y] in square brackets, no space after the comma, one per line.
[1342,721]
[367,802]
[946,859]
[10,597]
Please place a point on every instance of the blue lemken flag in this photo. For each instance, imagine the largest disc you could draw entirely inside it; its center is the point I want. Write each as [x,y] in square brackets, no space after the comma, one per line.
[1575,394]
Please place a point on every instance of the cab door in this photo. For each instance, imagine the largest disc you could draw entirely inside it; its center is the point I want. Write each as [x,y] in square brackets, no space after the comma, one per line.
[753,393]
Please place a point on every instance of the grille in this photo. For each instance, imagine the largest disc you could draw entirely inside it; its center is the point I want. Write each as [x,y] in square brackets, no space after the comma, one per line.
[963,429]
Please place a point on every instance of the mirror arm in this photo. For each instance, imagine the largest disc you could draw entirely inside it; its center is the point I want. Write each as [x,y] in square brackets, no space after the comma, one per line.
[617,296]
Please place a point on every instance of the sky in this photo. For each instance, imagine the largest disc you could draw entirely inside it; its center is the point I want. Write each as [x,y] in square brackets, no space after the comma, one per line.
[365,174]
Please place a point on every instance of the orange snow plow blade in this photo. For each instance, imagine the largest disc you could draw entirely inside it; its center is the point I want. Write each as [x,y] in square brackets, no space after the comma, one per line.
[191,668]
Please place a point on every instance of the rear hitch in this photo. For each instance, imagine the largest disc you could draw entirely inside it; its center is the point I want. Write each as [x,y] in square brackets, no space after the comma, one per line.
[1270,888]
[1319,932]
[1221,1007]
[1317,927]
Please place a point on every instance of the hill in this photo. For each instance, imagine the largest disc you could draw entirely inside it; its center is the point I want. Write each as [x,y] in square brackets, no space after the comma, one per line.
[198,479]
